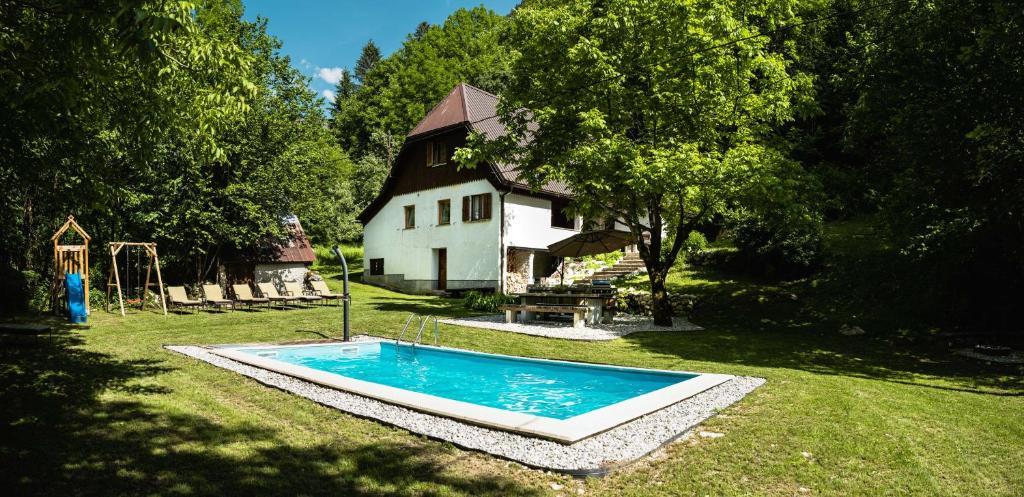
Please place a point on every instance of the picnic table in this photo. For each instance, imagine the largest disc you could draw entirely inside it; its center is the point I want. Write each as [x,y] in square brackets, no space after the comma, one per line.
[554,302]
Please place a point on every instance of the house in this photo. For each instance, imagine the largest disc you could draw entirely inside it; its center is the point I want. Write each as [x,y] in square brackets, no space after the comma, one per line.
[436,227]
[273,259]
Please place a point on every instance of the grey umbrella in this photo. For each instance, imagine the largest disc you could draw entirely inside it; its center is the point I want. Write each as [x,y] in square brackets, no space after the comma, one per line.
[589,243]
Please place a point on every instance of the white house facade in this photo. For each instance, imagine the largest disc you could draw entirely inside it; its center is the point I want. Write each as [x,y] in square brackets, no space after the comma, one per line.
[437,227]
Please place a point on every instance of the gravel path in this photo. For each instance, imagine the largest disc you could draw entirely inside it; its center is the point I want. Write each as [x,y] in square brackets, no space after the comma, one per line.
[624,324]
[592,456]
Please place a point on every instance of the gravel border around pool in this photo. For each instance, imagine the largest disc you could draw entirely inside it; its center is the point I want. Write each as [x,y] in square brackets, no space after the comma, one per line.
[624,324]
[593,456]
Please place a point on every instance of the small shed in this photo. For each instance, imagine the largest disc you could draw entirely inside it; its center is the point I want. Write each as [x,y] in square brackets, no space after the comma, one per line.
[275,260]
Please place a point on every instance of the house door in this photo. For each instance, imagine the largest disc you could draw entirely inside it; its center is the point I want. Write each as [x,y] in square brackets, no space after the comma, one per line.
[442,269]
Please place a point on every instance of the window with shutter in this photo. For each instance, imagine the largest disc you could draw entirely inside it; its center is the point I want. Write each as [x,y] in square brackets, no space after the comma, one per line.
[476,207]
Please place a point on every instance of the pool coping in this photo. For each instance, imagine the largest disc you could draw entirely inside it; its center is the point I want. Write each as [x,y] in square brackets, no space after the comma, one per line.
[594,456]
[565,431]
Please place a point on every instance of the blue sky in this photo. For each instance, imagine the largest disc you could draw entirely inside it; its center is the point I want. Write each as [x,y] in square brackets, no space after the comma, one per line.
[322,36]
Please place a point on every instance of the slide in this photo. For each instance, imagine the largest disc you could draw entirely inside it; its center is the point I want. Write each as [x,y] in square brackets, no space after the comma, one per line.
[76,297]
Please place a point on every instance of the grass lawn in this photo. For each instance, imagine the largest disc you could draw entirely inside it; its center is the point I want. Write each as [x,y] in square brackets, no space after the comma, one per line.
[107,411]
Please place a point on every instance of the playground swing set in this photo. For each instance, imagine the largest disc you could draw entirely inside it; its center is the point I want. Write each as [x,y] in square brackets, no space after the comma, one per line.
[140,289]
[69,290]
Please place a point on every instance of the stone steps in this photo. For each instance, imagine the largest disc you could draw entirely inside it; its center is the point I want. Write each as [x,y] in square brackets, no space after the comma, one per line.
[629,264]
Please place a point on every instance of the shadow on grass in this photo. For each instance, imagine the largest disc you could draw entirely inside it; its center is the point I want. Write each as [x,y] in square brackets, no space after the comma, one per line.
[60,437]
[796,325]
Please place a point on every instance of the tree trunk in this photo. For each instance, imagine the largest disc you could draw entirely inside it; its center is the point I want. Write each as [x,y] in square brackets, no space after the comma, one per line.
[661,306]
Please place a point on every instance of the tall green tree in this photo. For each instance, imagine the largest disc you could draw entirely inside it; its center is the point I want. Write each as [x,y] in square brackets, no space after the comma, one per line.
[659,113]
[90,93]
[368,59]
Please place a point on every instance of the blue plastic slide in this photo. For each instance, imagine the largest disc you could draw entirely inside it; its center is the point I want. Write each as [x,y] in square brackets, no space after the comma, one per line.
[76,297]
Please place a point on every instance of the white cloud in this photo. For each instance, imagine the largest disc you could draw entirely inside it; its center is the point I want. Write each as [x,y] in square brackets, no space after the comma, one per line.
[329,95]
[330,74]
[306,64]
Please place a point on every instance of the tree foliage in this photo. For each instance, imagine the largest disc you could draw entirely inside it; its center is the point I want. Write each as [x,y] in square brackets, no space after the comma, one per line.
[158,121]
[634,106]
[940,105]
[400,89]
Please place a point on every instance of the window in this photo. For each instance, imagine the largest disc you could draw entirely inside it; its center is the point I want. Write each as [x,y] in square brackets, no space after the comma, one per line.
[437,153]
[410,216]
[444,211]
[476,207]
[559,218]
[377,267]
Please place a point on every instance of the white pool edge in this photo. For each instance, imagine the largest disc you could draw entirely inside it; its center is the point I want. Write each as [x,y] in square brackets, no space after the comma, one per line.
[565,431]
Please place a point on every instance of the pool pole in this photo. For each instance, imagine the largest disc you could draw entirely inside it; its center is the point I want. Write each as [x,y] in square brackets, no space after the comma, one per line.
[345,297]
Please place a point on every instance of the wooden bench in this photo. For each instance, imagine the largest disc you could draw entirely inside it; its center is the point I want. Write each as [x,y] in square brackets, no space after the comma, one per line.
[579,312]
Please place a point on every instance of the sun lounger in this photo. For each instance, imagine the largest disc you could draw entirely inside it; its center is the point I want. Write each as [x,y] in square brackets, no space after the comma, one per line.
[213,296]
[178,297]
[320,288]
[270,292]
[243,295]
[295,290]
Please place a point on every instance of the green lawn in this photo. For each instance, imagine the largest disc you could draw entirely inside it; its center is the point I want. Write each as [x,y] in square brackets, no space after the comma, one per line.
[107,411]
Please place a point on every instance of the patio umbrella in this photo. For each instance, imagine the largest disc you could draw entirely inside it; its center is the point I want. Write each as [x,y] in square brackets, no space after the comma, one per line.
[589,243]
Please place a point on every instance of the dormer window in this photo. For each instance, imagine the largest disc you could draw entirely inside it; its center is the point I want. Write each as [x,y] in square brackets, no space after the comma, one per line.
[437,153]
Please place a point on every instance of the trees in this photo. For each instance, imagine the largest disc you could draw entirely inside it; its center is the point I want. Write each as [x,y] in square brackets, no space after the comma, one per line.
[155,121]
[91,92]
[368,59]
[396,92]
[939,100]
[659,113]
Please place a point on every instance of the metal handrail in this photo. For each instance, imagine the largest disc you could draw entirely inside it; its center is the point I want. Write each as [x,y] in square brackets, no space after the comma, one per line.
[406,327]
[423,324]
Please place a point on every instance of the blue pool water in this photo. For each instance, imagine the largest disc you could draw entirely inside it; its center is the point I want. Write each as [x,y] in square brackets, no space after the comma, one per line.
[541,388]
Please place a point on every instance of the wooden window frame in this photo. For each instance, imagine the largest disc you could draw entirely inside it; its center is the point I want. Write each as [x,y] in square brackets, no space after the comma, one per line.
[441,205]
[407,218]
[470,212]
[437,153]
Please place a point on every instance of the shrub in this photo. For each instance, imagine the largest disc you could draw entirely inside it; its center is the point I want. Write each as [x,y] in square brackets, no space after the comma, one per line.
[695,244]
[784,250]
[489,302]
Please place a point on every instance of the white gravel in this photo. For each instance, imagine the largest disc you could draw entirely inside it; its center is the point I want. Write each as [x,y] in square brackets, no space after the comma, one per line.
[592,456]
[624,324]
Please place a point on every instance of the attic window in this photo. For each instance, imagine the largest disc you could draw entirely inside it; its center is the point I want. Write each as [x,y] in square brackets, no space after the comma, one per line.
[437,153]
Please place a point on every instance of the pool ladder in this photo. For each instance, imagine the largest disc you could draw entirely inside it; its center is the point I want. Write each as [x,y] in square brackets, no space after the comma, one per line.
[423,321]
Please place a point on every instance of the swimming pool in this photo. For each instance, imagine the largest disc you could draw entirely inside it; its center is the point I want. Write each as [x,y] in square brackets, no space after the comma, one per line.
[560,400]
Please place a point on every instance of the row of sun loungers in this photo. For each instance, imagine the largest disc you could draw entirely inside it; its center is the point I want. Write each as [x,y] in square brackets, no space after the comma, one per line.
[318,292]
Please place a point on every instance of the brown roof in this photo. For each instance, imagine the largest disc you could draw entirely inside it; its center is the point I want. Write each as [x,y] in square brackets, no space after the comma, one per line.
[478,109]
[294,247]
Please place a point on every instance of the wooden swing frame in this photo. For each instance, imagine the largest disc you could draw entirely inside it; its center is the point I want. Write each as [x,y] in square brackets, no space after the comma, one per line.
[69,259]
[114,278]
